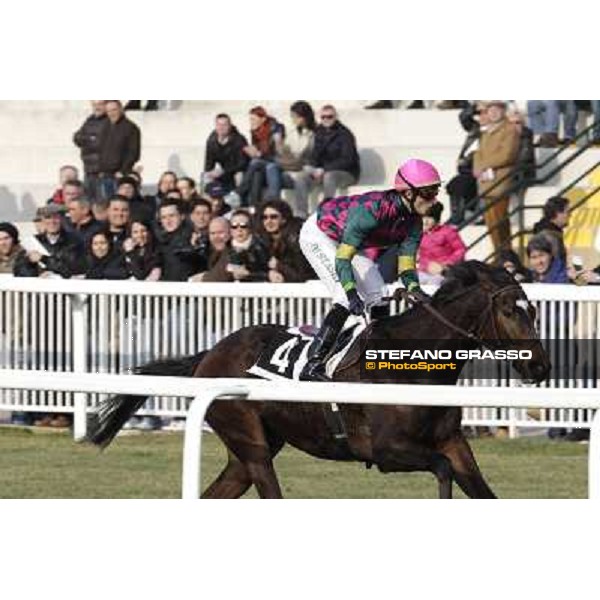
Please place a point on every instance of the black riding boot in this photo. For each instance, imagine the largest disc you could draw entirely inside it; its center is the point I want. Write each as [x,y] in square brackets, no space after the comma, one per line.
[314,370]
[380,311]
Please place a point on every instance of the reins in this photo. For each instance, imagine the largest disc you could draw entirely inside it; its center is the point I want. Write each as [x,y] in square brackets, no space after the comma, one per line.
[473,334]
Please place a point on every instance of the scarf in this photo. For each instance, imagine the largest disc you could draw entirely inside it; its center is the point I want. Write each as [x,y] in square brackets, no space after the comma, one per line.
[261,137]
[241,246]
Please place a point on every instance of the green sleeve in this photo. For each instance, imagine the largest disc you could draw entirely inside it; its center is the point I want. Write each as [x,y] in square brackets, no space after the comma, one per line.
[407,257]
[360,222]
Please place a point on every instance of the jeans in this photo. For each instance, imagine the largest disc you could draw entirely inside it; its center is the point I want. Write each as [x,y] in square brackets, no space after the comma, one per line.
[260,171]
[91,187]
[544,116]
[596,116]
[106,187]
[569,110]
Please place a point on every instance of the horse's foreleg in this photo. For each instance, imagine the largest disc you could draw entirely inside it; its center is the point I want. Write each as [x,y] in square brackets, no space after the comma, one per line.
[233,482]
[466,471]
[442,469]
[264,478]
[239,426]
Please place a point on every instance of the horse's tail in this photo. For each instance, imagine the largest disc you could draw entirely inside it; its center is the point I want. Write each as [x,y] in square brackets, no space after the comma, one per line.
[112,413]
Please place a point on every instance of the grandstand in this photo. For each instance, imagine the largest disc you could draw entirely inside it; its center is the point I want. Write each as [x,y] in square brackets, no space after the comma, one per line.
[36,138]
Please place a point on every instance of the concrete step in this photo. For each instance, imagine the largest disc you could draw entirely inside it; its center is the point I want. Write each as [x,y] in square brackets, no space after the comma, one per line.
[39,165]
[568,173]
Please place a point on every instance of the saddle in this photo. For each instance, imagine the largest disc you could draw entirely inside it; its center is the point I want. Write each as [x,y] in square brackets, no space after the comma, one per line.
[287,354]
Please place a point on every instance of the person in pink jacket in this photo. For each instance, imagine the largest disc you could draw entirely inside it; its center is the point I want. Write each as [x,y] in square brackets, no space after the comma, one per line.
[441,246]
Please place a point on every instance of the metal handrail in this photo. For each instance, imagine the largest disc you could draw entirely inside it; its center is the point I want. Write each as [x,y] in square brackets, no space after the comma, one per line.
[522,208]
[524,232]
[578,179]
[517,185]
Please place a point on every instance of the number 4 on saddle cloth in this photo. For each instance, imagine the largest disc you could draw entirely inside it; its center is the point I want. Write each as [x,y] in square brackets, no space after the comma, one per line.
[287,354]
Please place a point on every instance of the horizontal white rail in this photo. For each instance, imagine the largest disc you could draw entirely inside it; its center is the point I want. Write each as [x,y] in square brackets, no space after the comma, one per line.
[309,289]
[343,393]
[204,391]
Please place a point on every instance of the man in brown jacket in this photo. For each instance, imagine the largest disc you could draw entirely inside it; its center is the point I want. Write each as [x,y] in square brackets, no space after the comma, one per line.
[493,162]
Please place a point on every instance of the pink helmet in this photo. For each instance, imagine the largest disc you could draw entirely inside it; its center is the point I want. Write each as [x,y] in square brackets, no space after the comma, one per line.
[416,173]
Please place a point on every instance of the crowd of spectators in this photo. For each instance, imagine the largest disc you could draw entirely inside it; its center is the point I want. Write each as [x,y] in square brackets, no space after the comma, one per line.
[174,235]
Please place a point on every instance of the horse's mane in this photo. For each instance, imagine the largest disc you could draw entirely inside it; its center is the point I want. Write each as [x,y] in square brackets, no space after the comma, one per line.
[469,274]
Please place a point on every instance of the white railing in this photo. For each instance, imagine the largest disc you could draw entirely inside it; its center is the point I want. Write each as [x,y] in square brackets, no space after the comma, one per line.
[112,326]
[204,391]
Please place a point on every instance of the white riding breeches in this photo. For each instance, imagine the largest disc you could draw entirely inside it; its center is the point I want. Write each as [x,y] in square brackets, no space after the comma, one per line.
[320,251]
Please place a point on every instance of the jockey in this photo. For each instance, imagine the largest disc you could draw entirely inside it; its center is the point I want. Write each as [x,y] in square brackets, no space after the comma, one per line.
[345,237]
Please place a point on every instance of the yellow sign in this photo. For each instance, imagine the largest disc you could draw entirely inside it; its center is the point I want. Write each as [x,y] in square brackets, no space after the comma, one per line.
[582,236]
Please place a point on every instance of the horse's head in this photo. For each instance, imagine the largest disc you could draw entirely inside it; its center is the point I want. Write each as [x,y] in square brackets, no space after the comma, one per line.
[502,316]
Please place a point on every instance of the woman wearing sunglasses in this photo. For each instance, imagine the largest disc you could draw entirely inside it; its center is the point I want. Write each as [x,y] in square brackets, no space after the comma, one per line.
[248,258]
[346,236]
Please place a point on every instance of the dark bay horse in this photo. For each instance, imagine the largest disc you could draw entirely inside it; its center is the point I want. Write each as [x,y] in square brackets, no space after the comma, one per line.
[477,303]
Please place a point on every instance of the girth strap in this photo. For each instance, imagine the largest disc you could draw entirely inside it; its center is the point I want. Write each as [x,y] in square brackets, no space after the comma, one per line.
[337,427]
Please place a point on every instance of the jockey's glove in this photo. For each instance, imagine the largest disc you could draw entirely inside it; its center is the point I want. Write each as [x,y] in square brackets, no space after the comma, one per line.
[355,305]
[415,296]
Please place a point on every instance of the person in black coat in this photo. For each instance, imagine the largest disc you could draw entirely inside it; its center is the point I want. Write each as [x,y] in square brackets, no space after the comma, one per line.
[65,251]
[225,159]
[334,162]
[462,188]
[89,139]
[104,261]
[141,256]
[525,167]
[80,221]
[119,149]
[179,258]
[141,208]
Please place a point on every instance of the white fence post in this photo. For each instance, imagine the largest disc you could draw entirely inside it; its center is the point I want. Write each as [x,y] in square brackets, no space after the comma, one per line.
[191,478]
[594,458]
[78,302]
